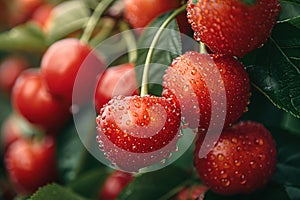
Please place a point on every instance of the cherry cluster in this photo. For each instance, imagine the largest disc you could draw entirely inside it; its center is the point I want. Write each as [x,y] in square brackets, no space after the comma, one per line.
[207,93]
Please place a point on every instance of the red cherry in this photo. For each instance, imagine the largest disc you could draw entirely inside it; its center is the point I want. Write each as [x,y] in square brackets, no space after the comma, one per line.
[114,184]
[62,62]
[233,27]
[242,161]
[135,132]
[31,164]
[32,100]
[208,87]
[140,13]
[118,80]
[10,68]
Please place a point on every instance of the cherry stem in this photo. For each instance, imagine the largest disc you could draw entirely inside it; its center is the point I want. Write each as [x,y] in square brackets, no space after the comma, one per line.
[107,26]
[130,42]
[145,80]
[92,22]
[202,48]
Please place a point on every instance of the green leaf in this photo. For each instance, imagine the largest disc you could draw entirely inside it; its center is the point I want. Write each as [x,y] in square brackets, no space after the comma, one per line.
[27,37]
[249,2]
[270,192]
[293,192]
[161,184]
[295,2]
[167,48]
[295,21]
[55,192]
[73,158]
[288,167]
[89,183]
[275,70]
[289,11]
[67,18]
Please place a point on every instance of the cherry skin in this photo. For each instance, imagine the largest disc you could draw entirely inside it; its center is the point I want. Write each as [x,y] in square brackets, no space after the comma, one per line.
[114,184]
[31,99]
[136,132]
[10,68]
[31,164]
[62,62]
[140,13]
[118,80]
[242,161]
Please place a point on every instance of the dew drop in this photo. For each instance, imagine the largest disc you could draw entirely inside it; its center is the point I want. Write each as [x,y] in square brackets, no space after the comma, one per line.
[237,163]
[234,140]
[259,141]
[252,164]
[243,179]
[163,161]
[225,182]
[220,157]
[261,156]
[186,88]
[194,71]
[226,165]
[137,104]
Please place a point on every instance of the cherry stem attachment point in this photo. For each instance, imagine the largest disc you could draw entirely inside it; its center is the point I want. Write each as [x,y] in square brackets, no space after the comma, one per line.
[145,79]
[92,22]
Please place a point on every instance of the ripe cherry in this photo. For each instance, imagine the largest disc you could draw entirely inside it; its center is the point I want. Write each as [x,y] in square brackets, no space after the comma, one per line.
[118,80]
[10,68]
[242,161]
[206,86]
[32,100]
[114,184]
[61,63]
[136,132]
[31,164]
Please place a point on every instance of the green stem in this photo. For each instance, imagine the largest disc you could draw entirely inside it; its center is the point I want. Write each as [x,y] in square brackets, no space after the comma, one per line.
[202,48]
[106,28]
[91,24]
[130,42]
[144,89]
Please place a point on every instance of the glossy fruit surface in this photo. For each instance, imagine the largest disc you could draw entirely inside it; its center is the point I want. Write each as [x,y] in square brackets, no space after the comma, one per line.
[10,68]
[233,27]
[61,63]
[242,161]
[139,124]
[140,13]
[37,166]
[214,85]
[136,132]
[32,100]
[118,80]
[114,184]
